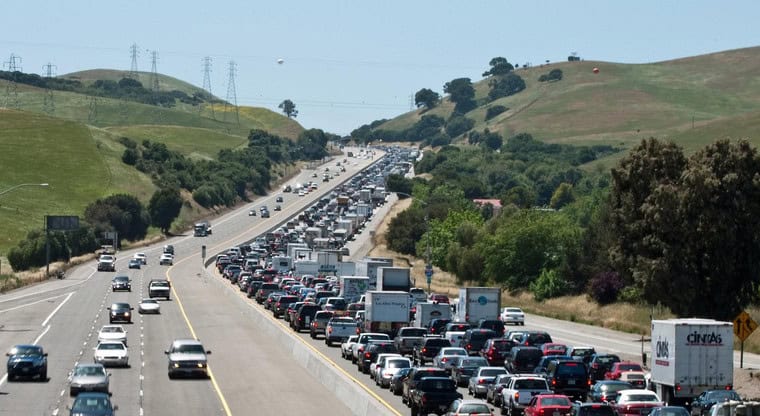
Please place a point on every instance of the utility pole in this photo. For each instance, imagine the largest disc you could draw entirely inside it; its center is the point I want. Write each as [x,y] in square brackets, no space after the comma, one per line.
[49,104]
[231,94]
[207,84]
[13,65]
[134,52]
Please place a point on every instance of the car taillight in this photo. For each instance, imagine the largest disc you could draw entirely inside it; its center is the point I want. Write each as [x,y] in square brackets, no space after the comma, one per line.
[678,387]
[482,381]
[588,382]
[542,412]
[554,381]
[361,350]
[358,331]
[329,330]
[444,359]
[424,350]
[517,396]
[469,347]
[367,355]
[729,386]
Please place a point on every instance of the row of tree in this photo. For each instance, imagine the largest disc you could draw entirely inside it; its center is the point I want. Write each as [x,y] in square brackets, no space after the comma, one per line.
[663,228]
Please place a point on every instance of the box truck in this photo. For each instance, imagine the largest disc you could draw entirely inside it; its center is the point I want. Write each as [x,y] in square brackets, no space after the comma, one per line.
[386,312]
[690,356]
[427,311]
[393,278]
[302,267]
[368,267]
[353,287]
[476,303]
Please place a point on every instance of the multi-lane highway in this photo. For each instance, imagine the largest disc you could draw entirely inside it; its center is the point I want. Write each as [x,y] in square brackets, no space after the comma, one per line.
[250,372]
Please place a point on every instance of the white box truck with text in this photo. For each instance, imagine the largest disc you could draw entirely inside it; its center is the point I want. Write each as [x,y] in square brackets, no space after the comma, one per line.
[476,303]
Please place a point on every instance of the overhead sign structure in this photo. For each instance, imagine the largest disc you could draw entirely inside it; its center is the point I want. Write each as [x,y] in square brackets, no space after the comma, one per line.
[62,222]
[744,325]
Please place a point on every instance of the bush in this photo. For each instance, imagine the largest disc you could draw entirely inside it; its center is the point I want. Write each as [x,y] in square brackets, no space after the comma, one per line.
[458,125]
[130,156]
[548,285]
[494,111]
[605,287]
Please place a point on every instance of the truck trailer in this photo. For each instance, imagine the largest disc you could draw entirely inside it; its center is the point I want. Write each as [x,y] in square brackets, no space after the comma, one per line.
[353,287]
[394,278]
[690,356]
[386,312]
[476,303]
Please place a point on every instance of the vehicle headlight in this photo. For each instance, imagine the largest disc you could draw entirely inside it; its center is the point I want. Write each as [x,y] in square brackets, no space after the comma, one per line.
[176,365]
[126,313]
[201,365]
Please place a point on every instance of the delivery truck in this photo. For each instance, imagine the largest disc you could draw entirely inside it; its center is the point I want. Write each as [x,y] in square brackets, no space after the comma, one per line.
[368,267]
[386,312]
[476,303]
[427,311]
[394,278]
[353,287]
[690,356]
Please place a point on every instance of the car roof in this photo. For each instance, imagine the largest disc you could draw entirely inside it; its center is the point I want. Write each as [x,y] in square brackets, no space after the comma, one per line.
[186,341]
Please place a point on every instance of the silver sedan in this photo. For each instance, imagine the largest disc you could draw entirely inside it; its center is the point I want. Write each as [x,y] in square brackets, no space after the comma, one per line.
[88,377]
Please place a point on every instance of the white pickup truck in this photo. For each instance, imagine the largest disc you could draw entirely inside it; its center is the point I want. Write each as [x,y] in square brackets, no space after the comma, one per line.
[358,348]
[339,329]
[516,396]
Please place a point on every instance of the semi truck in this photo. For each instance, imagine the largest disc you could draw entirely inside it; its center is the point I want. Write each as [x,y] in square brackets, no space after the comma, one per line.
[386,312]
[690,356]
[476,303]
[202,229]
[353,287]
[427,311]
[394,278]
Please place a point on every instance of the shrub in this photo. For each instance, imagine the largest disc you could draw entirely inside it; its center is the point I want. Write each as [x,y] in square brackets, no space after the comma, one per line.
[494,111]
[130,156]
[548,285]
[605,287]
[458,125]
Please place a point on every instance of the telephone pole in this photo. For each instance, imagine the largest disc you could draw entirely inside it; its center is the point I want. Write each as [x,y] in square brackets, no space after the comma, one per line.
[13,65]
[231,94]
[207,84]
[49,104]
[134,52]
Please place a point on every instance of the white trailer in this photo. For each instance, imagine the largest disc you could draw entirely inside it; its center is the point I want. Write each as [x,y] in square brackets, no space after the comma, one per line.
[282,264]
[427,311]
[353,287]
[476,303]
[303,267]
[368,267]
[292,247]
[347,268]
[394,278]
[386,311]
[690,356]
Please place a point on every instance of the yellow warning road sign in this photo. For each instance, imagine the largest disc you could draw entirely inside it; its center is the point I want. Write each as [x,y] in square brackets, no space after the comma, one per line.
[744,325]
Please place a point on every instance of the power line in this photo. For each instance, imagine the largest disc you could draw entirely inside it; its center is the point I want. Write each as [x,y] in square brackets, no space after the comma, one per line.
[49,103]
[231,93]
[207,61]
[134,52]
[11,89]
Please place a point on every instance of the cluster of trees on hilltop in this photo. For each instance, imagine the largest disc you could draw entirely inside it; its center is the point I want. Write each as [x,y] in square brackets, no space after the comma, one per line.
[125,89]
[663,228]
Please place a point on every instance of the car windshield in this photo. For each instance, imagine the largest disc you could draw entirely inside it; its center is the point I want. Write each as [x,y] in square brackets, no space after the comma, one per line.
[629,367]
[514,310]
[597,410]
[86,404]
[149,301]
[615,387]
[415,332]
[111,346]
[26,350]
[530,384]
[190,349]
[121,278]
[89,371]
[722,395]
[398,364]
[555,401]
[437,384]
[470,408]
[491,372]
[112,329]
[438,342]
[641,398]
[571,369]
[120,306]
[502,345]
[474,362]
[606,359]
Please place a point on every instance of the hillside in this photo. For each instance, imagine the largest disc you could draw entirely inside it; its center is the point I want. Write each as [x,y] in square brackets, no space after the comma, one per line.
[691,100]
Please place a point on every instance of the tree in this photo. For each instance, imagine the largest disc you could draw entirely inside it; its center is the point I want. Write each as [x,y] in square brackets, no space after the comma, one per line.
[506,85]
[461,93]
[164,207]
[686,229]
[562,196]
[499,66]
[427,98]
[458,124]
[289,108]
[492,140]
[122,213]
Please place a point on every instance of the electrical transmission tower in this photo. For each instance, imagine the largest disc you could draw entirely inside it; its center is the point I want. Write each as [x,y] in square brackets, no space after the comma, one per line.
[207,84]
[11,89]
[231,94]
[154,84]
[49,104]
[134,52]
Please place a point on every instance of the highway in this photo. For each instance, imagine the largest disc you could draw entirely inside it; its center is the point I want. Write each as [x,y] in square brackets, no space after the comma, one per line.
[250,373]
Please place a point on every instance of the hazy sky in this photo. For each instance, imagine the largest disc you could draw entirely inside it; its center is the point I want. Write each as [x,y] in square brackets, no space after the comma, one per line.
[347,63]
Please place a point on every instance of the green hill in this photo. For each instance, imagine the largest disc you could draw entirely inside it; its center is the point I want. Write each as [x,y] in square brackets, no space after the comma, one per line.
[691,100]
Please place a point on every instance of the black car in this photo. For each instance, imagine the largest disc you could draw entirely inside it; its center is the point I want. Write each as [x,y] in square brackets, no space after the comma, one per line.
[600,364]
[438,326]
[415,375]
[534,338]
[428,349]
[522,359]
[702,403]
[595,409]
[568,377]
[607,390]
[121,282]
[463,367]
[495,350]
[281,306]
[474,339]
[120,312]
[545,360]
[27,361]
[93,404]
[371,352]
[667,411]
[456,327]
[494,325]
[397,381]
[304,316]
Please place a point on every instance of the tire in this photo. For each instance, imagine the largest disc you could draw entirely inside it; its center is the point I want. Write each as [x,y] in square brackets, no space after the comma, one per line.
[43,375]
[328,342]
[415,411]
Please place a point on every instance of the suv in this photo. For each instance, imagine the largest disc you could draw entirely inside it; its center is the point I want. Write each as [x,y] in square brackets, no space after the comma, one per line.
[523,359]
[495,350]
[281,306]
[568,377]
[187,357]
[429,349]
[534,338]
[415,375]
[474,339]
[319,324]
[599,364]
[27,361]
[302,319]
[159,288]
[373,349]
[107,263]
[121,282]
[120,311]
[494,325]
[265,290]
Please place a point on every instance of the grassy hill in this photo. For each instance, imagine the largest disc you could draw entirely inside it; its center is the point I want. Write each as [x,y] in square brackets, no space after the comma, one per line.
[691,100]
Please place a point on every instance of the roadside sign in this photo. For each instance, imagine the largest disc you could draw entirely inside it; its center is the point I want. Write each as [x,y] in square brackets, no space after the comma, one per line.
[203,252]
[744,325]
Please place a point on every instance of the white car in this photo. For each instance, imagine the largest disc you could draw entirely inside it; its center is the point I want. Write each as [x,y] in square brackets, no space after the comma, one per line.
[511,315]
[112,333]
[391,366]
[142,257]
[444,356]
[301,193]
[166,259]
[149,305]
[112,353]
[380,361]
[345,348]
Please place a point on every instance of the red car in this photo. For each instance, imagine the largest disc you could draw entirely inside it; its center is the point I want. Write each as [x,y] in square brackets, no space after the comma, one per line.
[636,402]
[438,298]
[554,349]
[549,405]
[619,368]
